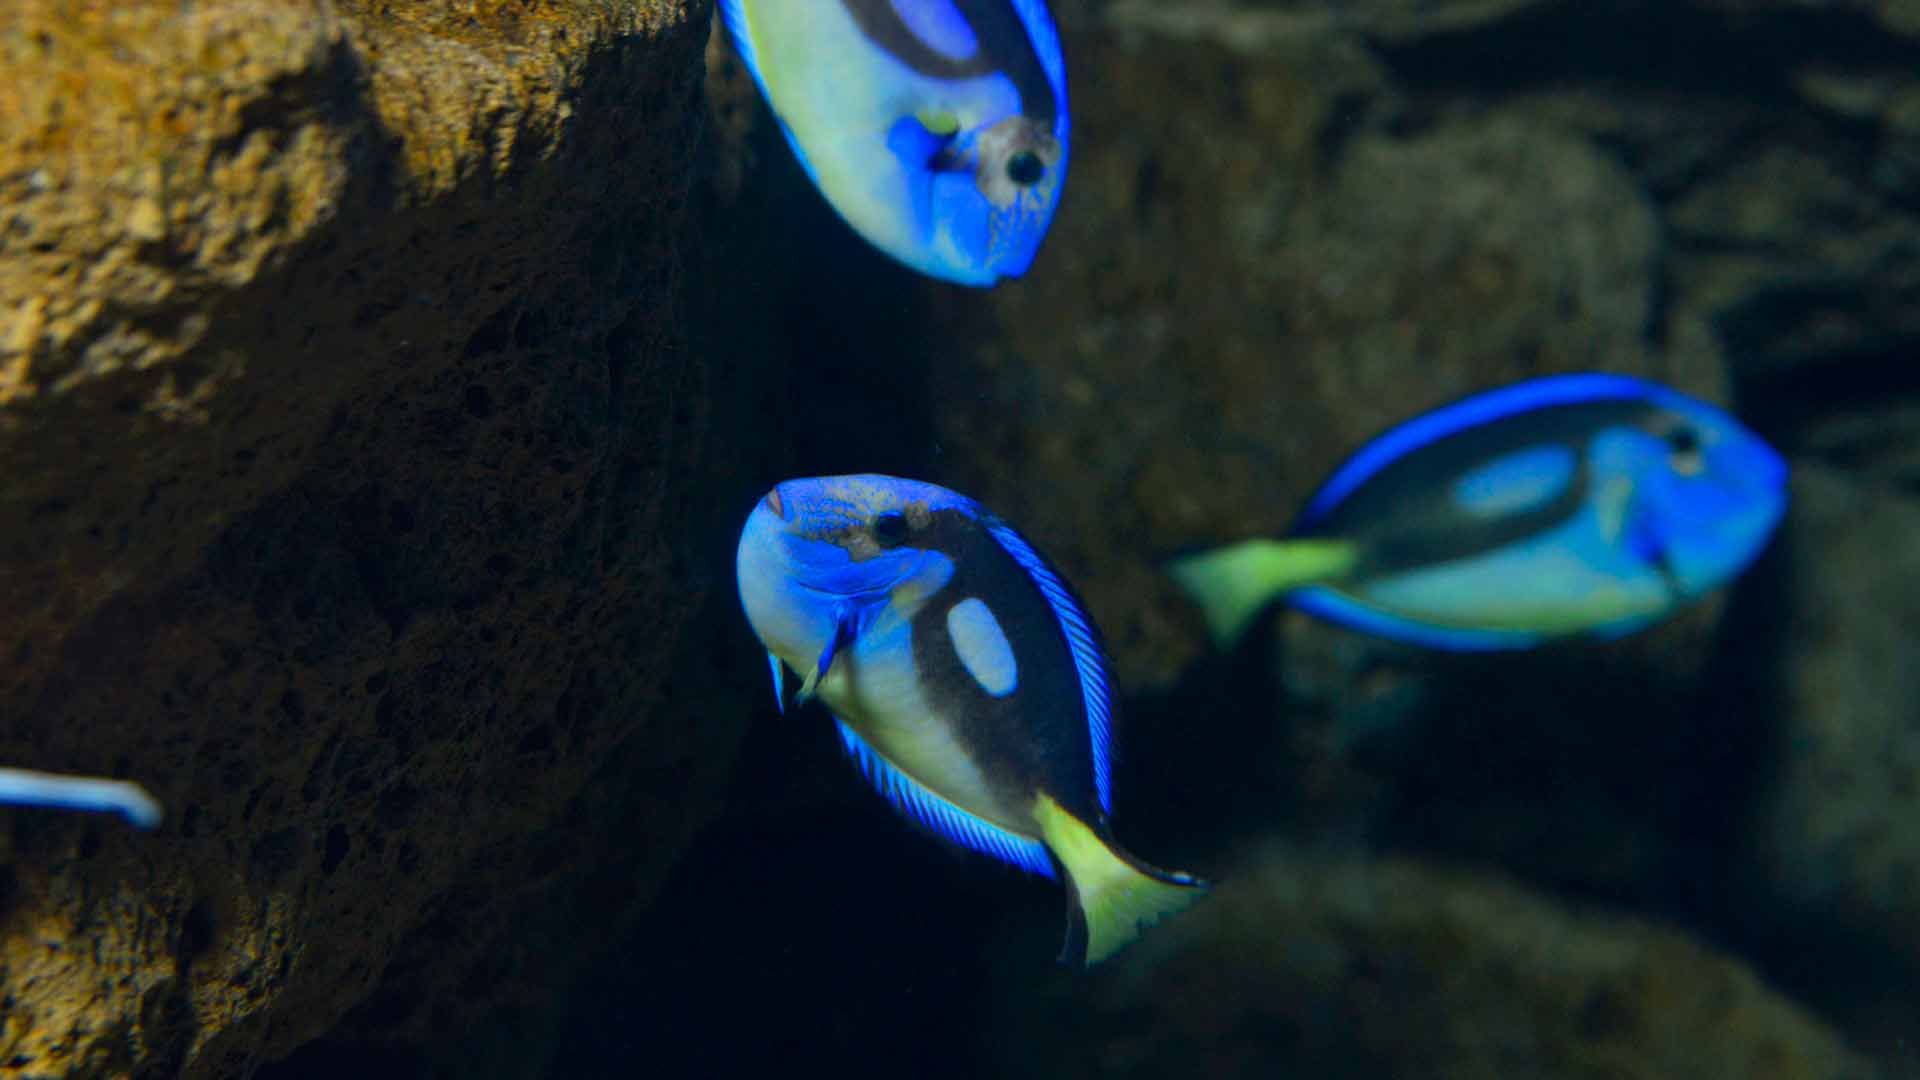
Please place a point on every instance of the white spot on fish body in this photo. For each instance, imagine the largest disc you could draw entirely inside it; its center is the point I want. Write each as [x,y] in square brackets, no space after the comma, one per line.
[982,646]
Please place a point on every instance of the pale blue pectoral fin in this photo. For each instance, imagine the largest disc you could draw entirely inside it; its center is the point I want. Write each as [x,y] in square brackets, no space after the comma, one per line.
[1114,897]
[941,816]
[1233,584]
[779,682]
[843,634]
[1627,627]
[916,144]
[26,787]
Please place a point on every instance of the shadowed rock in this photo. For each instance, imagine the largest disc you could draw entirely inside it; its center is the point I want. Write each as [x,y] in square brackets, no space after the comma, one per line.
[348,424]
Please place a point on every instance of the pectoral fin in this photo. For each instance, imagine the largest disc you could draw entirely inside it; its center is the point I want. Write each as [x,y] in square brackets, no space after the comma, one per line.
[844,631]
[1644,540]
[779,682]
[916,144]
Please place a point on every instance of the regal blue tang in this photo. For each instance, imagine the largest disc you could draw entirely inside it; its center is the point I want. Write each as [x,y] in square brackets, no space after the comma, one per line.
[30,787]
[936,128]
[966,681]
[1583,504]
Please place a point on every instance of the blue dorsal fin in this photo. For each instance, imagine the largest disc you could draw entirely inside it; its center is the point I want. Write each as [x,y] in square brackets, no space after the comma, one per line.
[1324,603]
[733,13]
[1044,36]
[1403,439]
[1096,687]
[58,791]
[918,804]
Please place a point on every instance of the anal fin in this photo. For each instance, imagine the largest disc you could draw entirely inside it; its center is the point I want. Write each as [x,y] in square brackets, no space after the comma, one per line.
[940,815]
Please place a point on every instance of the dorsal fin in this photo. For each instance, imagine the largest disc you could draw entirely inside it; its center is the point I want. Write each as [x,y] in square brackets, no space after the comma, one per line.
[30,787]
[733,13]
[1044,37]
[1083,641]
[941,816]
[1482,408]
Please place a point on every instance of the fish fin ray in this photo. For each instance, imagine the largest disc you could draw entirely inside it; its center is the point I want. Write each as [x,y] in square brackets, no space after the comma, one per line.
[29,787]
[1083,642]
[779,682]
[1410,435]
[1345,611]
[733,14]
[1233,584]
[1114,897]
[1044,37]
[918,804]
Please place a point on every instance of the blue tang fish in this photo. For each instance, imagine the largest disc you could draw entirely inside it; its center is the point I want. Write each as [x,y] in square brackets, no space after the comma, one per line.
[967,683]
[1566,505]
[936,128]
[27,787]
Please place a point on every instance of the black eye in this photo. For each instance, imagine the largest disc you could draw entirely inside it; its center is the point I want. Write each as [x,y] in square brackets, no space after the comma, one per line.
[1684,450]
[1025,168]
[1683,440]
[890,530]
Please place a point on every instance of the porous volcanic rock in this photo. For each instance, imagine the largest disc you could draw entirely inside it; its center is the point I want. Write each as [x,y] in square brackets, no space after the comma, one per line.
[348,425]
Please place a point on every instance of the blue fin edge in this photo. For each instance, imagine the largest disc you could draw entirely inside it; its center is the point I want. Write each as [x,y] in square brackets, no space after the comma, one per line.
[779,682]
[58,791]
[1096,686]
[1045,38]
[1324,603]
[1545,392]
[733,14]
[938,814]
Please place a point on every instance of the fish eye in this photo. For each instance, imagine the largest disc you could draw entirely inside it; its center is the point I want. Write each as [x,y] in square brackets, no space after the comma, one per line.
[890,529]
[1026,169]
[1684,450]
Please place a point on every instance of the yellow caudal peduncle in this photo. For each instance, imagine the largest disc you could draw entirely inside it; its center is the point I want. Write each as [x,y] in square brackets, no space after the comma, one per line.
[1118,898]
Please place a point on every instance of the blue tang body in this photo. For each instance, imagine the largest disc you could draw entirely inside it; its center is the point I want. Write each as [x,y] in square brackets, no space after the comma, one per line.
[936,128]
[1573,504]
[964,677]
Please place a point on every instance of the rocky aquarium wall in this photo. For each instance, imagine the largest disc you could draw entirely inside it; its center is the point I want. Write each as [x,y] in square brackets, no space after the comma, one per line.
[384,384]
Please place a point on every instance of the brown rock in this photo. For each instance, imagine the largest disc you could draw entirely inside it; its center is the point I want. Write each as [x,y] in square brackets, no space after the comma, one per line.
[1834,855]
[1304,966]
[347,425]
[1250,277]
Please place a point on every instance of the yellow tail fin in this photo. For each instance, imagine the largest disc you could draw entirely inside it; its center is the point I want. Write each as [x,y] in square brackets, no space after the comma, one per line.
[1234,583]
[1117,897]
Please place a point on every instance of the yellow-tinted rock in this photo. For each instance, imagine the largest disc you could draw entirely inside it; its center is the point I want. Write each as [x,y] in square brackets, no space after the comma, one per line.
[342,404]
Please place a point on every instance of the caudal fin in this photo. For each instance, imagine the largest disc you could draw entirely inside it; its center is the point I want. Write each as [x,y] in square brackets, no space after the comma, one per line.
[1233,584]
[1113,897]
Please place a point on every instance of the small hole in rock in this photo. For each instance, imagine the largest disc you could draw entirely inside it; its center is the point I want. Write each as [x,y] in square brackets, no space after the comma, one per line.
[337,846]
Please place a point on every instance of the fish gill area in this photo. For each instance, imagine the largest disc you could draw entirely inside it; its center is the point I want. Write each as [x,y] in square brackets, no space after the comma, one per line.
[383,384]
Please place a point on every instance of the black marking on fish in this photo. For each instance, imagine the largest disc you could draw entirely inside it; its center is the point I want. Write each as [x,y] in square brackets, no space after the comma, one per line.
[1003,48]
[1406,517]
[1035,739]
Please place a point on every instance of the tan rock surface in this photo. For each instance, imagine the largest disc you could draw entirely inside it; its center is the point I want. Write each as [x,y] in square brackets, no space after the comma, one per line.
[346,422]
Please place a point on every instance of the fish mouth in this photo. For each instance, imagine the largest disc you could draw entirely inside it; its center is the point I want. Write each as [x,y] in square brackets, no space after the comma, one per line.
[772,501]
